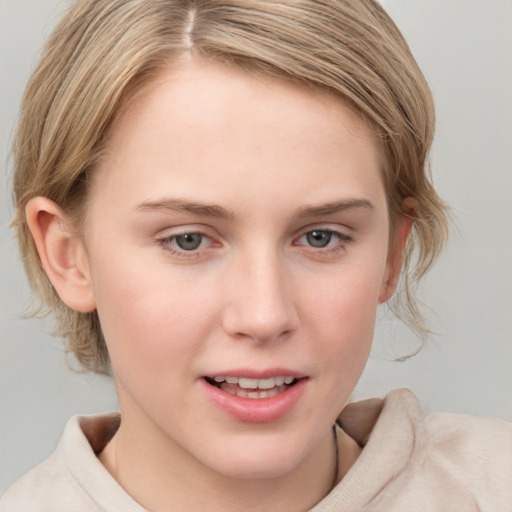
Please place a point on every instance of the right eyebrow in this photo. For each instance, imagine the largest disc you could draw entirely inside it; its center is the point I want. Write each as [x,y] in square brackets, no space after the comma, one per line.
[185,206]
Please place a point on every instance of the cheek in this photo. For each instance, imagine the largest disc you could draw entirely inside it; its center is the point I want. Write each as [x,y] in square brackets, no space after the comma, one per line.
[151,314]
[344,312]
[348,297]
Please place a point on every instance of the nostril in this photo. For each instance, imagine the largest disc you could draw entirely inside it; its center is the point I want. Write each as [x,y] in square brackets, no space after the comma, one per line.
[259,327]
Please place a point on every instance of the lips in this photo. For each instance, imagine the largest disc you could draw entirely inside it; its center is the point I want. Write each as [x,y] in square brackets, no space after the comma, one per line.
[255,397]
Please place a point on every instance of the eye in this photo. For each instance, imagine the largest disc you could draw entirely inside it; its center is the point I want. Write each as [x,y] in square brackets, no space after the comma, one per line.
[319,238]
[189,241]
[326,240]
[189,245]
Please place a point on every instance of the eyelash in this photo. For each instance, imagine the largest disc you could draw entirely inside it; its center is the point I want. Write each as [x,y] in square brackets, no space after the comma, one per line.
[342,239]
[168,243]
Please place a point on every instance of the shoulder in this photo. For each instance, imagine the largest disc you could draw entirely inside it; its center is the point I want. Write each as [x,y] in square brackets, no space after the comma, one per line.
[72,478]
[475,450]
[46,488]
[456,433]
[50,486]
[461,459]
[415,463]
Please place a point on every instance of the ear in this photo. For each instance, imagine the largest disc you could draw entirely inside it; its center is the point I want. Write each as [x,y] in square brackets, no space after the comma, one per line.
[397,246]
[62,254]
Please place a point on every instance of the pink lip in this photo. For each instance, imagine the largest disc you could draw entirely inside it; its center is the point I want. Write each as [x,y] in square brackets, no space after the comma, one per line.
[263,410]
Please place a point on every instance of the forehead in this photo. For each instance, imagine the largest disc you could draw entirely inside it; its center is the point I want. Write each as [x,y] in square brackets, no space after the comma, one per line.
[204,125]
[193,81]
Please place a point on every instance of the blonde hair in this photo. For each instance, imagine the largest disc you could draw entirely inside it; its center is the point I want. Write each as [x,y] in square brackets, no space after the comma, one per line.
[104,50]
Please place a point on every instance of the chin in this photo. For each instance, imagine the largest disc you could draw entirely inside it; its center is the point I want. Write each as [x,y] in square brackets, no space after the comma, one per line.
[257,470]
[256,461]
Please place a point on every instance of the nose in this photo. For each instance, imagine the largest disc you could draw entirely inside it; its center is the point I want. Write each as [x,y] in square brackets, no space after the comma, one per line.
[260,304]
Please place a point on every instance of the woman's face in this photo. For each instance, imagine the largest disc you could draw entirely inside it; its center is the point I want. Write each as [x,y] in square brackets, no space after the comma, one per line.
[237,240]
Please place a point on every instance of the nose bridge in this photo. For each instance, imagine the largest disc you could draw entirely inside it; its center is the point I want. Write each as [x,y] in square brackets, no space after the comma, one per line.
[260,305]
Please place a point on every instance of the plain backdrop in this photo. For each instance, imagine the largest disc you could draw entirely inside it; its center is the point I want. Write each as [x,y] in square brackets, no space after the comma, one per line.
[465,50]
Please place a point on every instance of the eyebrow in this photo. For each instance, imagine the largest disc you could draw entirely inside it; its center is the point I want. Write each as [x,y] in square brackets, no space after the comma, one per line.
[335,207]
[213,210]
[184,206]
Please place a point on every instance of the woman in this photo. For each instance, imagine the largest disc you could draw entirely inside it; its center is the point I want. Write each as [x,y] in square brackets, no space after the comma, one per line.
[213,198]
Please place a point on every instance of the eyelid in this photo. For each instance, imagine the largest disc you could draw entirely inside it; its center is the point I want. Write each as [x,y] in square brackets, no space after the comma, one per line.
[166,236]
[342,230]
[185,229]
[338,233]
[344,239]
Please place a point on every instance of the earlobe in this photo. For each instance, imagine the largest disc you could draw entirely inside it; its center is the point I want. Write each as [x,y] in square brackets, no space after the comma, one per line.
[394,263]
[62,255]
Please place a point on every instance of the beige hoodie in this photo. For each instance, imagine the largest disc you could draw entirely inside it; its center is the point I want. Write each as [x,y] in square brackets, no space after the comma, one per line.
[410,463]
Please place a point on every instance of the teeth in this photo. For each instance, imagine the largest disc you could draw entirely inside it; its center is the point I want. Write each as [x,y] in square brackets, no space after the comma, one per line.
[246,383]
[243,393]
[266,383]
[280,380]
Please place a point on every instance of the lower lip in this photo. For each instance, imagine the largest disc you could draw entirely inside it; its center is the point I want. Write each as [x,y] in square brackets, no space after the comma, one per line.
[256,410]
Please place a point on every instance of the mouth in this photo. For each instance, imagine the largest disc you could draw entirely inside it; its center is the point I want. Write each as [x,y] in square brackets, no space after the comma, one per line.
[256,396]
[255,389]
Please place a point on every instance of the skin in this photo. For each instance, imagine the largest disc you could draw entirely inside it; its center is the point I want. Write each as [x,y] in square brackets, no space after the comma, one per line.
[276,162]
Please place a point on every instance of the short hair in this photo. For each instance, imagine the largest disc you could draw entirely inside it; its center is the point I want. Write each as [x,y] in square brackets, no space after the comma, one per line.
[103,51]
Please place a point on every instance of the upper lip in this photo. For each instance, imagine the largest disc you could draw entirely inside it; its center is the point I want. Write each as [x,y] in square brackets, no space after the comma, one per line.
[251,373]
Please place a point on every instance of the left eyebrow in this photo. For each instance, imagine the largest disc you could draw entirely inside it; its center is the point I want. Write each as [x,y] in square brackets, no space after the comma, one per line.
[335,207]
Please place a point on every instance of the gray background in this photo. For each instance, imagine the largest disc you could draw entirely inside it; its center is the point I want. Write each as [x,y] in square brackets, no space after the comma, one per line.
[465,49]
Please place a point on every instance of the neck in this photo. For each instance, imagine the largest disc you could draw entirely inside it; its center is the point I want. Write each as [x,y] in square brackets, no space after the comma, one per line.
[181,482]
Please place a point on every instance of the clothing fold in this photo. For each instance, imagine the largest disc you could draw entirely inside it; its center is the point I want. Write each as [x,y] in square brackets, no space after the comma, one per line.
[409,463]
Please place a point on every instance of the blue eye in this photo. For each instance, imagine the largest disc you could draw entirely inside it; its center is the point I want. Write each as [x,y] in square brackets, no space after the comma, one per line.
[319,238]
[187,244]
[324,238]
[323,243]
[188,241]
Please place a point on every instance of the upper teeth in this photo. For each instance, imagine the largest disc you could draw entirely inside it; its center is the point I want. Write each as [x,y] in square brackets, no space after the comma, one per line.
[256,383]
